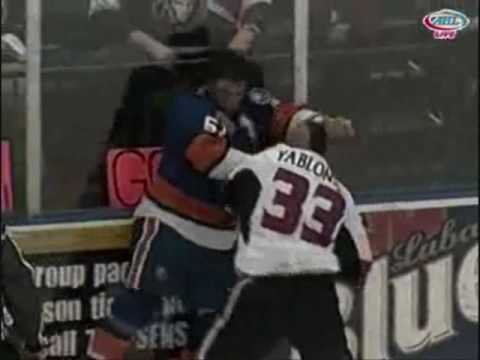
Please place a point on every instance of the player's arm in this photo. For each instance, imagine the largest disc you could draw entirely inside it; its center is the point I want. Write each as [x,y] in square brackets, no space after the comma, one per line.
[288,115]
[282,117]
[354,225]
[210,153]
[347,254]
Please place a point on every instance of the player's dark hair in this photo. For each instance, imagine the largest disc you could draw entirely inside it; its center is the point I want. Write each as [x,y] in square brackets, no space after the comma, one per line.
[229,65]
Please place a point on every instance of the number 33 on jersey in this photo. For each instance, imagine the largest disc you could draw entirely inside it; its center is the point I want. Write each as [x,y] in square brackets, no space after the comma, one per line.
[291,209]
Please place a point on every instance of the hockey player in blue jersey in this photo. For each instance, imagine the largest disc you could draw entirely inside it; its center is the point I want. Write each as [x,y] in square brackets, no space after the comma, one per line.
[184,236]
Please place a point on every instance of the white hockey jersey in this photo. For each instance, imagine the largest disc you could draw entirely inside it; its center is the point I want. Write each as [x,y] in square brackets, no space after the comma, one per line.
[291,210]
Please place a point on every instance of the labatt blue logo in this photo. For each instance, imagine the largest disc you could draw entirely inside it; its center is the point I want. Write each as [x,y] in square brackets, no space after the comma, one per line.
[446,23]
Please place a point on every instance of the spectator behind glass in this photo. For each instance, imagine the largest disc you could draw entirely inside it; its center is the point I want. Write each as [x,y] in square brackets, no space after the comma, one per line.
[169,29]
[136,123]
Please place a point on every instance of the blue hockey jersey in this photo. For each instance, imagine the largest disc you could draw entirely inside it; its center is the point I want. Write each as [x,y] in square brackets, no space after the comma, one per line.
[196,135]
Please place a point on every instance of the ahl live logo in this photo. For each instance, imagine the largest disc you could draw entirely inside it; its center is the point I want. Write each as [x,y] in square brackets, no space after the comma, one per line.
[446,23]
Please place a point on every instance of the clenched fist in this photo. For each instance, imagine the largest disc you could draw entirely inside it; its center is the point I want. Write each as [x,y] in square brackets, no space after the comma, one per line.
[338,127]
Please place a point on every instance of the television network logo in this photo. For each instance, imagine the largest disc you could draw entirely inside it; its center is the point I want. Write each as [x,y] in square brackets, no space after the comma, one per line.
[446,23]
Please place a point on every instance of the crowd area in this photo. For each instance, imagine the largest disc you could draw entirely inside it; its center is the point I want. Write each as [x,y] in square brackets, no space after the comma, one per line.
[113,61]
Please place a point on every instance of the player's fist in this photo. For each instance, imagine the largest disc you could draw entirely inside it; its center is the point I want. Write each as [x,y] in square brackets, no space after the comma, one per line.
[338,127]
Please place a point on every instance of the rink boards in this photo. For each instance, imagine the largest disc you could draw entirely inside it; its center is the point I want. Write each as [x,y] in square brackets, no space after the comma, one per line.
[420,299]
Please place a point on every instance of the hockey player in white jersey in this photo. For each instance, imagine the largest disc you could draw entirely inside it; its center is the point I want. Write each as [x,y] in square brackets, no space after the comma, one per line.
[299,231]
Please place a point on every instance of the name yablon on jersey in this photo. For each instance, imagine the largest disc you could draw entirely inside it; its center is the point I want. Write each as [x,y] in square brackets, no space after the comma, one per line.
[306,161]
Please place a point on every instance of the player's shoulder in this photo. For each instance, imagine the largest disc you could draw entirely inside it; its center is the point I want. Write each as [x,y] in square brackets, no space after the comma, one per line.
[269,155]
[260,161]
[293,153]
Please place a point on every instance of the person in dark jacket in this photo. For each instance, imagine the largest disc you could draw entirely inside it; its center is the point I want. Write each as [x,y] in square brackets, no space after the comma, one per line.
[136,123]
